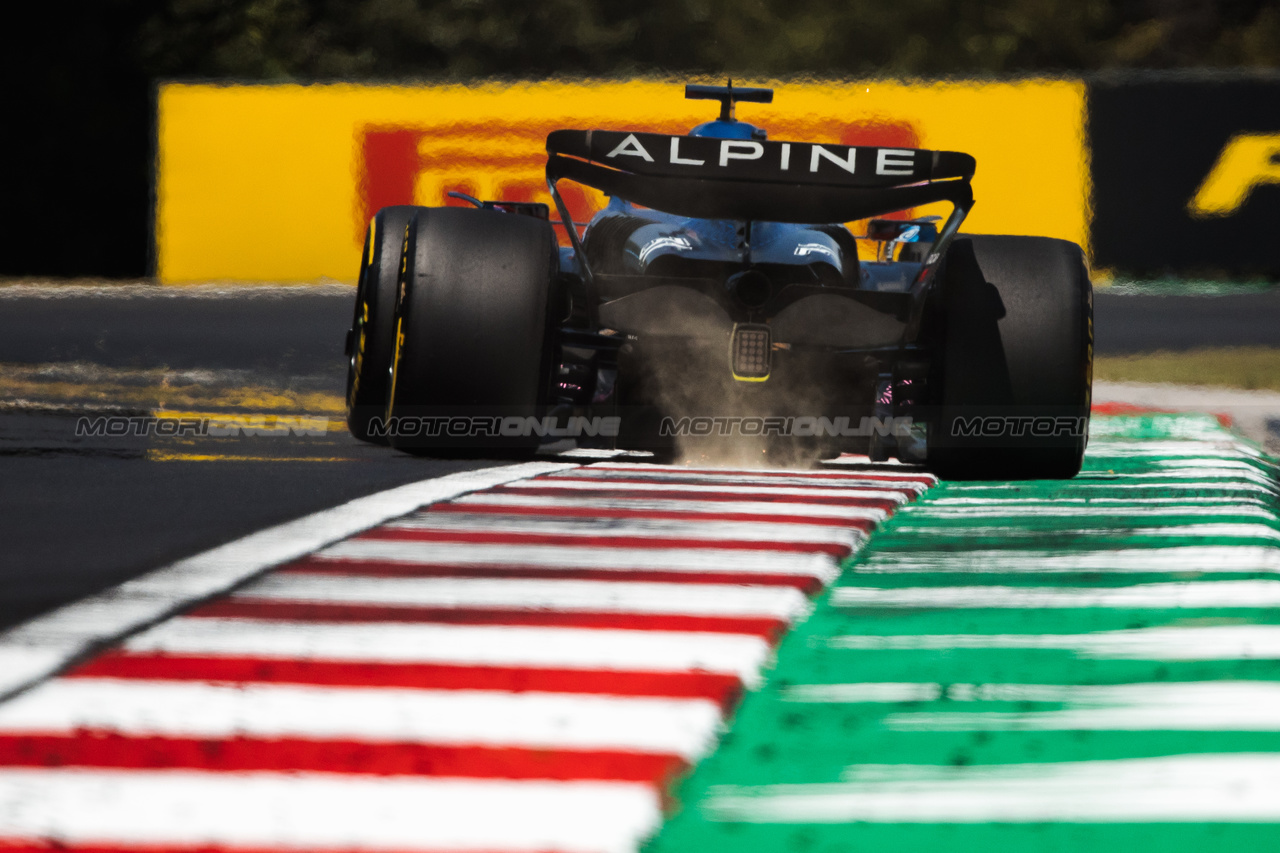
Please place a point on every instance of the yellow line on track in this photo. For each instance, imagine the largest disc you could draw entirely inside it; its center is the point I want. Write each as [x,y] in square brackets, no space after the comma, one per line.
[260,420]
[192,396]
[165,456]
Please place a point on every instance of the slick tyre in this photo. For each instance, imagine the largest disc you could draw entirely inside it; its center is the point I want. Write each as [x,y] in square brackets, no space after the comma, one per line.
[369,343]
[1015,373]
[472,362]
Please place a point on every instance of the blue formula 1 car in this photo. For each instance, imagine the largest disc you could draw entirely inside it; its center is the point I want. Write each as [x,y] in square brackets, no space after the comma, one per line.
[719,298]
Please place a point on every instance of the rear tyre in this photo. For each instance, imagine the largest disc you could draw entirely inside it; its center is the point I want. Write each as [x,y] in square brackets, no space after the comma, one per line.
[369,343]
[473,357]
[1016,365]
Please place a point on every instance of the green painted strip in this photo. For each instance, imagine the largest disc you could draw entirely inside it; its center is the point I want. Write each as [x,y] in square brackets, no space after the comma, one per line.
[1082,665]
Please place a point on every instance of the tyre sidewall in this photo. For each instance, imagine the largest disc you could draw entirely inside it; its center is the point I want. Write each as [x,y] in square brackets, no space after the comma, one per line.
[1016,360]
[473,329]
[368,370]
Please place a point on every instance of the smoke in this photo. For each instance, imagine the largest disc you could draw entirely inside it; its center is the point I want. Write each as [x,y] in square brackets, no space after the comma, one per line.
[690,378]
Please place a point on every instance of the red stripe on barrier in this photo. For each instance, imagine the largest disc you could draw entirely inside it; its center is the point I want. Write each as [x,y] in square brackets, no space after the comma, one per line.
[887,504]
[303,611]
[494,537]
[723,689]
[59,845]
[1118,408]
[394,569]
[110,749]
[552,510]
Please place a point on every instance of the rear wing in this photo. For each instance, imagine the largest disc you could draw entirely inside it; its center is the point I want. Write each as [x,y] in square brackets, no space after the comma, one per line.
[802,182]
[749,179]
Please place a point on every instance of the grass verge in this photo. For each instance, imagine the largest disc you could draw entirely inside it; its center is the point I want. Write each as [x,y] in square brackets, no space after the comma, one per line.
[1253,368]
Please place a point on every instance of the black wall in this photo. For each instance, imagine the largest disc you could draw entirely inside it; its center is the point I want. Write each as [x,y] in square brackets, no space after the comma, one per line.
[77,135]
[1153,141]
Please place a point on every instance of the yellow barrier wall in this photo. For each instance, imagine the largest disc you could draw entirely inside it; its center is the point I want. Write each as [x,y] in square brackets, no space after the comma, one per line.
[275,183]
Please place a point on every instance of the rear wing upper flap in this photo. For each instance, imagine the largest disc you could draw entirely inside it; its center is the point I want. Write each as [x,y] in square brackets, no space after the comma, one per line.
[755,179]
[706,158]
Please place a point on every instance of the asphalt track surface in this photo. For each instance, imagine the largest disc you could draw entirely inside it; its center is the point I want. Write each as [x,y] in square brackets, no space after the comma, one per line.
[1132,324]
[83,513]
[298,331]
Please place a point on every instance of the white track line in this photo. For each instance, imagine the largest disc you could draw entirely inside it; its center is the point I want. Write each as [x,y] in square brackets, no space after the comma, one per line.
[709,480]
[1204,706]
[139,708]
[747,492]
[1057,509]
[1201,693]
[1213,642]
[628,469]
[864,692]
[317,811]
[1242,530]
[1176,789]
[1155,706]
[769,473]
[1206,594]
[766,510]
[39,648]
[1189,558]
[660,528]
[1084,484]
[552,595]
[1220,466]
[396,642]
[1220,498]
[1172,451]
[585,557]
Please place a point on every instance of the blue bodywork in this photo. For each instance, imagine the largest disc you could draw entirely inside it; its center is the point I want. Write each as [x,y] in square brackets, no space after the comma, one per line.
[648,242]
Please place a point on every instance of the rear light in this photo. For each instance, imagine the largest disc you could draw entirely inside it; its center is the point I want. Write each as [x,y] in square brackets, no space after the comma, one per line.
[751,352]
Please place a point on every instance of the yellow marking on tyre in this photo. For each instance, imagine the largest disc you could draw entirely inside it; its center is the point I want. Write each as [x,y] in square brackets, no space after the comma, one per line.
[358,365]
[395,366]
